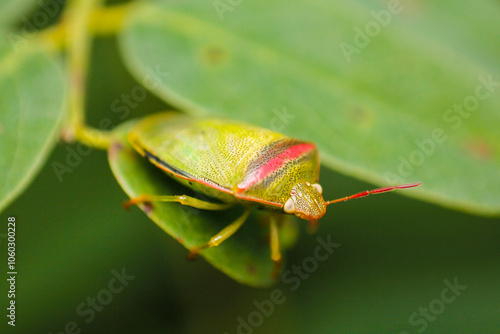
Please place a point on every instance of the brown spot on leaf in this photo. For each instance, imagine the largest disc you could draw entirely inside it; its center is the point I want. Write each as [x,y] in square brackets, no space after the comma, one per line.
[67,135]
[362,116]
[147,207]
[251,270]
[480,149]
[114,150]
[214,55]
[414,9]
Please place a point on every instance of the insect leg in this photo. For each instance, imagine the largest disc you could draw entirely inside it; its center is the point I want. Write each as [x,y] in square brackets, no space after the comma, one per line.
[217,239]
[275,246]
[183,199]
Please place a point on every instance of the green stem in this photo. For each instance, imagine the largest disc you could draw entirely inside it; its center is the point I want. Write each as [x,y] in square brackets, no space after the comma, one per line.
[105,21]
[78,41]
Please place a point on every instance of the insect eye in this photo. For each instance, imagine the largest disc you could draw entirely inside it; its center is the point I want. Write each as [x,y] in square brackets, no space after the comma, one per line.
[289,206]
[318,188]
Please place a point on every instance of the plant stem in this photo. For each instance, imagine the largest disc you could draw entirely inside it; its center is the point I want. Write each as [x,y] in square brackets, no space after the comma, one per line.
[105,21]
[108,20]
[77,18]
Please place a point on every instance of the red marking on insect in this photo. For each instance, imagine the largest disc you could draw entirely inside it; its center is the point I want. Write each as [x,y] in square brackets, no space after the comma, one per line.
[275,163]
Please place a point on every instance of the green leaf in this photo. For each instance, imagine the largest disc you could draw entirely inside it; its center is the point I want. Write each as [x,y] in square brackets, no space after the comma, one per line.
[244,257]
[31,109]
[12,10]
[383,113]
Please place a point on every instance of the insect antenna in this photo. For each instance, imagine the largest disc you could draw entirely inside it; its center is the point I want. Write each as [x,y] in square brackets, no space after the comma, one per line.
[374,191]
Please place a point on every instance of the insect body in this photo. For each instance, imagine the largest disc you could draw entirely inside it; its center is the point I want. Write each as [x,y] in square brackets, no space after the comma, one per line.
[238,164]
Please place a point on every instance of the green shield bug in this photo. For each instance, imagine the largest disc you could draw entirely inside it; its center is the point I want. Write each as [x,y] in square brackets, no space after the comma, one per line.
[236,163]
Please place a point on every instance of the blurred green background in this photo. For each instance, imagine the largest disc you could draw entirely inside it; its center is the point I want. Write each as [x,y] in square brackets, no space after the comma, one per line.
[394,256]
